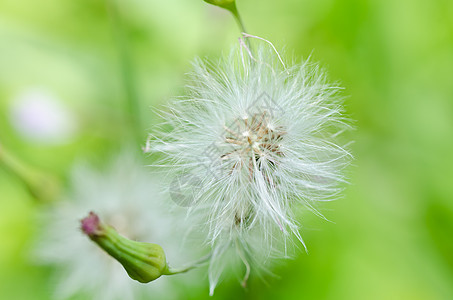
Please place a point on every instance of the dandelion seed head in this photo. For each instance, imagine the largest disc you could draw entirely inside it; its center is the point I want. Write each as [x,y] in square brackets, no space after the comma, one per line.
[262,140]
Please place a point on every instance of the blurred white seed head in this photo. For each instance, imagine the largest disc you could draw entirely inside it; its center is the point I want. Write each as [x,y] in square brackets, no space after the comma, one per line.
[126,197]
[40,117]
[259,141]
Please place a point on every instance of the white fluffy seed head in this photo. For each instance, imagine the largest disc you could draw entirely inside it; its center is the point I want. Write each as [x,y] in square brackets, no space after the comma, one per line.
[259,141]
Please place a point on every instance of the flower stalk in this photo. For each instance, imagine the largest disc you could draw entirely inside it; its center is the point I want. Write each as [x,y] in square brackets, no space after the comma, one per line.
[229,5]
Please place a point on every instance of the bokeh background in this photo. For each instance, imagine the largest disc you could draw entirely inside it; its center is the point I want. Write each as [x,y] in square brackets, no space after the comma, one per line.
[390,237]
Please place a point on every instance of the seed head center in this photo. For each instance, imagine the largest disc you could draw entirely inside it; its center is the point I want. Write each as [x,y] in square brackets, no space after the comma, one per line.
[253,139]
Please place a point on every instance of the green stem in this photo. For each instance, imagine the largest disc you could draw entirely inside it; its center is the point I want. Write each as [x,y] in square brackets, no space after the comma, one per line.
[41,186]
[235,12]
[230,5]
[233,9]
[237,16]
[127,70]
[196,264]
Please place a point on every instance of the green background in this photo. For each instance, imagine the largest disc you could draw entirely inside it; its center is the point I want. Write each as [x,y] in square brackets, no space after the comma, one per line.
[391,236]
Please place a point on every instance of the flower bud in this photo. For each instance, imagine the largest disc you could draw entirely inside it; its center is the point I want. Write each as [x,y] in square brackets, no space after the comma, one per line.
[143,262]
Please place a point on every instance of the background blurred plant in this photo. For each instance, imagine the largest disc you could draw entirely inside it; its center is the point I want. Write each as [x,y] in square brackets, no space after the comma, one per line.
[392,237]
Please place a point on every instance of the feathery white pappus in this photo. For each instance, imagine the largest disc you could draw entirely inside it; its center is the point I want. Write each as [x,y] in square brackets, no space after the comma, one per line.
[260,141]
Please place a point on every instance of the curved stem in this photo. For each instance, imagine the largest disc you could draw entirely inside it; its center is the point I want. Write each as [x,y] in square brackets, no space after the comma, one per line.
[235,12]
[238,18]
[196,264]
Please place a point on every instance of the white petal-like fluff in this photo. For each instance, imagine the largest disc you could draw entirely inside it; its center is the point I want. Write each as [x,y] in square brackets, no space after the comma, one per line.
[257,141]
[126,197]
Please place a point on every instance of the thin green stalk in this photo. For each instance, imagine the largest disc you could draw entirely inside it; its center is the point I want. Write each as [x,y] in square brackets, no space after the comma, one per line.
[238,18]
[132,102]
[196,264]
[230,5]
[42,187]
